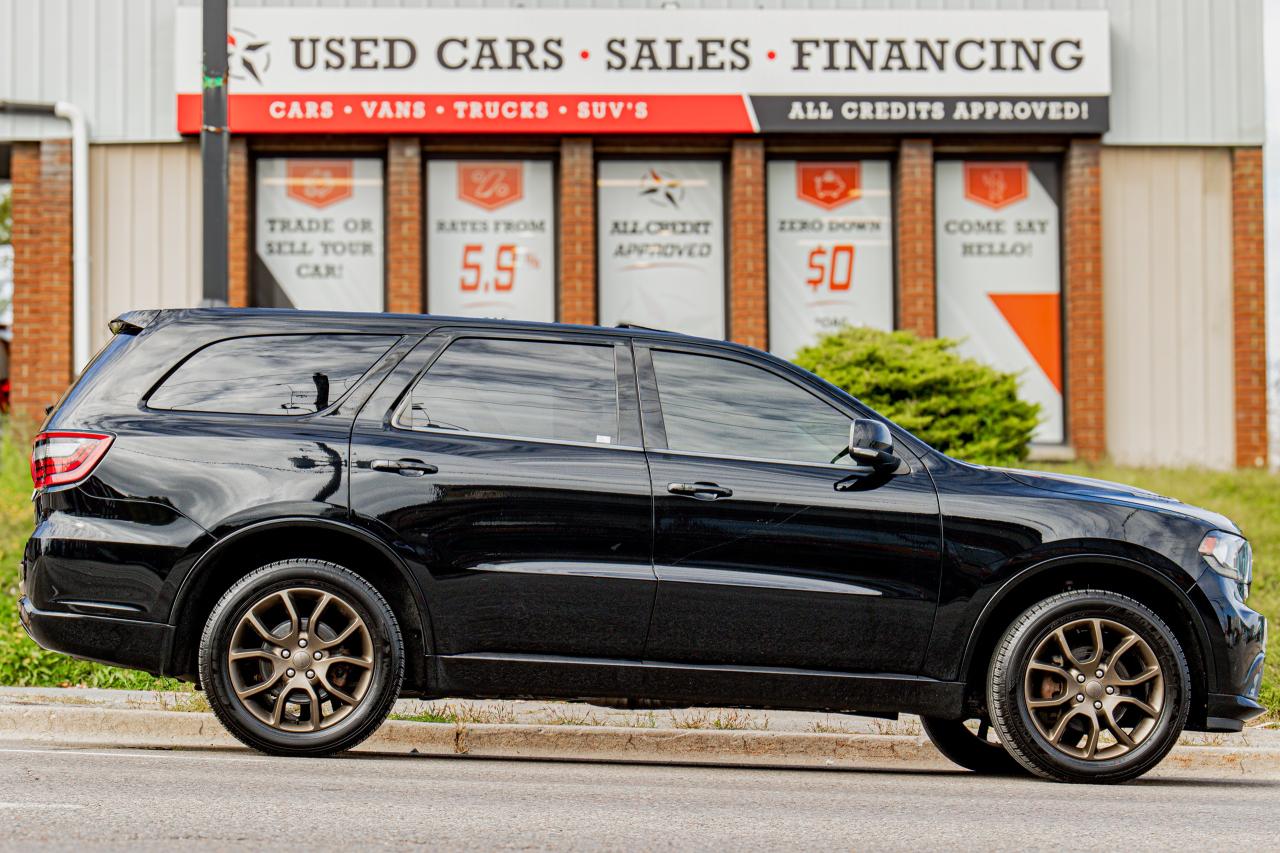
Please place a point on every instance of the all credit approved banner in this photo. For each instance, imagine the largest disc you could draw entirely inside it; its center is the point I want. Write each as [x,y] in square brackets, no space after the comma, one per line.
[652,71]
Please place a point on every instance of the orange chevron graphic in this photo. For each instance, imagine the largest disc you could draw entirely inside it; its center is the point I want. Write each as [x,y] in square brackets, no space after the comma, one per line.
[1036,321]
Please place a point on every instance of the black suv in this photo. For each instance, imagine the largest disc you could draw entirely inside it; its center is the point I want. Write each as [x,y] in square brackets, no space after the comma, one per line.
[311,514]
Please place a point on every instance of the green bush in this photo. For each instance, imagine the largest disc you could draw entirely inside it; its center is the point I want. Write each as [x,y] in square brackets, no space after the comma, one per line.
[960,406]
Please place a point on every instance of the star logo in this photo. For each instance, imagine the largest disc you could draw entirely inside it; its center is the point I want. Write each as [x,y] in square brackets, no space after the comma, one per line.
[248,57]
[662,188]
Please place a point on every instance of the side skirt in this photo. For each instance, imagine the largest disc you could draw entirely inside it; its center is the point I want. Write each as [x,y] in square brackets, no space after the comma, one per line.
[519,676]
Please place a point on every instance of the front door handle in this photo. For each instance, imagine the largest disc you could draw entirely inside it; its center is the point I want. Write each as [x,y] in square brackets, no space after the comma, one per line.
[404,467]
[700,491]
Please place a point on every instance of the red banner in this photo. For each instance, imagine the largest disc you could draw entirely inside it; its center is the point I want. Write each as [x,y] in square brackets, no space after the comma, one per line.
[477,114]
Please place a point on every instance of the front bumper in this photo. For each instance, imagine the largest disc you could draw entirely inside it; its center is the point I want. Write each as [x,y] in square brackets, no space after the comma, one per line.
[128,643]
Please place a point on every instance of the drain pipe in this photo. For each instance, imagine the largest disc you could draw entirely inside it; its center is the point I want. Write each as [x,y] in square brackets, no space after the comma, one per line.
[79,217]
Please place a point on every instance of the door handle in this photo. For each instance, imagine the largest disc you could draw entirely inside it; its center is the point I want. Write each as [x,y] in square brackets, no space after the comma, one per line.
[700,491]
[404,467]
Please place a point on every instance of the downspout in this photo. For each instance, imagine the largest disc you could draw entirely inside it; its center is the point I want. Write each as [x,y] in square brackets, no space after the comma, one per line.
[79,217]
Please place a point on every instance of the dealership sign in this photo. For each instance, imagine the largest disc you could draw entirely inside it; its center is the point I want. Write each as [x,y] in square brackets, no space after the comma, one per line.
[491,239]
[653,71]
[999,273]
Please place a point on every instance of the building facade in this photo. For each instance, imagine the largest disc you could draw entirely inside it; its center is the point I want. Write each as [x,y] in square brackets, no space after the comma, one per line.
[1074,192]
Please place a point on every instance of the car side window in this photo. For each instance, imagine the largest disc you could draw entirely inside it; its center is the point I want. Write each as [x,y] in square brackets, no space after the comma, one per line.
[530,389]
[723,407]
[271,374]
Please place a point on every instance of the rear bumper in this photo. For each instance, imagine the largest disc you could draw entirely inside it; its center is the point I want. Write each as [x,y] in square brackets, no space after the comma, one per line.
[118,642]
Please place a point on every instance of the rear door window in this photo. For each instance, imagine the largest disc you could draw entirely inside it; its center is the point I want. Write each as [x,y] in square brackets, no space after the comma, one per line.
[521,388]
[271,374]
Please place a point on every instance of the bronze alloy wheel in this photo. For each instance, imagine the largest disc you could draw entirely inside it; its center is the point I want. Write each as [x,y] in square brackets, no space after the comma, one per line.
[300,659]
[1094,689]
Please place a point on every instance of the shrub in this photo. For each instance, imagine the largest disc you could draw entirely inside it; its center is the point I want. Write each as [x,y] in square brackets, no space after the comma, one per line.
[960,406]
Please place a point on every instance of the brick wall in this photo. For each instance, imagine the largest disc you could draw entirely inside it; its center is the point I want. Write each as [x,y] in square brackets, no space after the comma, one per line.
[239,252]
[1249,307]
[40,355]
[577,231]
[1082,287]
[917,284]
[404,225]
[748,273]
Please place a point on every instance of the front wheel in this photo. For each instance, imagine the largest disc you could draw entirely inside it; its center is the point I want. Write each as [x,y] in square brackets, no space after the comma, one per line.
[301,657]
[1089,686]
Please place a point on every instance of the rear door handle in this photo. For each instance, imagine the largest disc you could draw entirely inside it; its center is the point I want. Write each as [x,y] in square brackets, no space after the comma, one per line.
[404,467]
[700,491]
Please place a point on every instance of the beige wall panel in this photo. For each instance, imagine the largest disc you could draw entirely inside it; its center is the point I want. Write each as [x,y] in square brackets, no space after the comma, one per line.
[144,229]
[1166,249]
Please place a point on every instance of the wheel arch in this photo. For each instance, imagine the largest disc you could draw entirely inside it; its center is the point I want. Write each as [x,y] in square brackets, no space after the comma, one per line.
[257,544]
[1099,571]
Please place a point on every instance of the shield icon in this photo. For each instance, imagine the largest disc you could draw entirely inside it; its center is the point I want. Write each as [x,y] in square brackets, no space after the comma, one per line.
[995,185]
[828,185]
[490,185]
[319,183]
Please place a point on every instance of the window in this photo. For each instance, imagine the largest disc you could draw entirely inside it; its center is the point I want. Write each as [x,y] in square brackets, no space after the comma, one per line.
[727,408]
[491,241]
[998,254]
[533,389]
[660,244]
[271,374]
[830,249]
[319,234]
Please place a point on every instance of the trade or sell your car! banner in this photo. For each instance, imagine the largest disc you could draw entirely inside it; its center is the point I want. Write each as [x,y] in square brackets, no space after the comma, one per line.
[653,71]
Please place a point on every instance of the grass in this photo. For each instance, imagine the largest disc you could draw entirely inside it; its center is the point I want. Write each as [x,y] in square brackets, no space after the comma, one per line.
[1250,498]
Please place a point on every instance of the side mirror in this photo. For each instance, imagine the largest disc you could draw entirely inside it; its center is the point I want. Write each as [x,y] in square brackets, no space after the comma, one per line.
[871,444]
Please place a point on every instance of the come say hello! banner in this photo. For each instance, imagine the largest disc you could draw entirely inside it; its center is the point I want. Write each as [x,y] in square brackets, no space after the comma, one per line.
[652,71]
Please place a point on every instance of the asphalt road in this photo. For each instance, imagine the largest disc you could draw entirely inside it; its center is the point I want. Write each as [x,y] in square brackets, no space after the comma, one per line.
[82,798]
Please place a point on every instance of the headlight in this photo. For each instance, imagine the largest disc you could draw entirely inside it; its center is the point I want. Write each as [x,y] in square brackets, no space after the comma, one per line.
[1230,556]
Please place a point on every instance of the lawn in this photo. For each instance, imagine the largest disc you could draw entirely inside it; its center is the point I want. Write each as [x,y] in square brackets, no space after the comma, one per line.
[1251,498]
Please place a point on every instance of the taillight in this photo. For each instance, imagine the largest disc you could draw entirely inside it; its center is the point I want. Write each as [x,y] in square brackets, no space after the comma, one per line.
[59,458]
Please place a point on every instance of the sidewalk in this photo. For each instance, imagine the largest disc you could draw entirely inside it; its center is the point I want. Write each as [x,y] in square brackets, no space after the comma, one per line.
[86,717]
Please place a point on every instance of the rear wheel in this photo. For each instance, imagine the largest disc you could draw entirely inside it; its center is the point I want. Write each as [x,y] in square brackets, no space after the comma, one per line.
[972,744]
[302,657]
[1089,686]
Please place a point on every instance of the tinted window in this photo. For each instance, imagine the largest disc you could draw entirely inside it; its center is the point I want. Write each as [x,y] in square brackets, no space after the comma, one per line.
[535,389]
[271,374]
[727,408]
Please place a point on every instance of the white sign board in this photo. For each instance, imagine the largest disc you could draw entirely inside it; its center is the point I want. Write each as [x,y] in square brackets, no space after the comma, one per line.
[491,239]
[319,234]
[999,284]
[661,244]
[469,70]
[830,249]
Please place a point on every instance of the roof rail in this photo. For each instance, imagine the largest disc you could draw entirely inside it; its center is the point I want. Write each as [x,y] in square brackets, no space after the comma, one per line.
[642,328]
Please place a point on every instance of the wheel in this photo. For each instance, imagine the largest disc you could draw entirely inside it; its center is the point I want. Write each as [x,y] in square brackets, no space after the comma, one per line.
[972,749]
[1089,686]
[301,657]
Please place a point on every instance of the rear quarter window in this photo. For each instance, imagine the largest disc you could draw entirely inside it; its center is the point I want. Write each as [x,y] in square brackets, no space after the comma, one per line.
[270,374]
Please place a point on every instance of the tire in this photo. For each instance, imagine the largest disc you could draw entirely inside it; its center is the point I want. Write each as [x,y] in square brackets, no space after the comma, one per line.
[318,659]
[1089,686]
[972,751]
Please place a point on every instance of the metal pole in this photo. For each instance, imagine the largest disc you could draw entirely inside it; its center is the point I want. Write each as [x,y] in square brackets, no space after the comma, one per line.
[214,144]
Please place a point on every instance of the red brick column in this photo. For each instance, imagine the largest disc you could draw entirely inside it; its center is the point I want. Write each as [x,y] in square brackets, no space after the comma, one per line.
[40,366]
[404,225]
[1082,286]
[748,273]
[239,252]
[917,282]
[1249,307]
[577,231]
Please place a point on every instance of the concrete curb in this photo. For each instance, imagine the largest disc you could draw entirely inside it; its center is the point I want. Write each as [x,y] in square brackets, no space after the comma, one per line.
[109,727]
